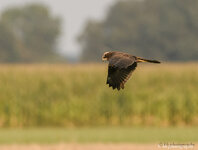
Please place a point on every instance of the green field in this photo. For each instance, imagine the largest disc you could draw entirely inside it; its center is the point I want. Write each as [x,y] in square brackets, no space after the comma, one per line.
[77,96]
[98,135]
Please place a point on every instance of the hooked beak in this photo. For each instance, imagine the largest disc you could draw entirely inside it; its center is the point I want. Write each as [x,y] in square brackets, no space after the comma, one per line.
[104,59]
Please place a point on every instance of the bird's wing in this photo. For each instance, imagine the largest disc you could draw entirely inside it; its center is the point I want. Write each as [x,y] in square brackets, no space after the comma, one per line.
[121,61]
[117,77]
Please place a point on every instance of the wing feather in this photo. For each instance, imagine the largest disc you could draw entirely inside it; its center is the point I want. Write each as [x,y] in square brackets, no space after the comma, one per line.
[121,66]
[121,61]
[117,77]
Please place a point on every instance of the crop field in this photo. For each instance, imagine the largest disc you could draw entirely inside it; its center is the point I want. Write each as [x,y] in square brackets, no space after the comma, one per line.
[77,96]
[69,107]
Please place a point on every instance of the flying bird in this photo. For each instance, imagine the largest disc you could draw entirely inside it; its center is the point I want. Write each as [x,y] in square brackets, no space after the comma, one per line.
[121,65]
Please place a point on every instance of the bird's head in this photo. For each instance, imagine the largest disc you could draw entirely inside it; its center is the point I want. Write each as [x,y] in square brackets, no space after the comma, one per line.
[106,56]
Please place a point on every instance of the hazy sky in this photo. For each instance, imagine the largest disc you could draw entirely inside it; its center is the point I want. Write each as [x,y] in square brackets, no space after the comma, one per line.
[74,14]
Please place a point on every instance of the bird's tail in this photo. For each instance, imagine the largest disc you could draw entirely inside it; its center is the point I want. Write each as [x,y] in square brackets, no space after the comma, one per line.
[146,60]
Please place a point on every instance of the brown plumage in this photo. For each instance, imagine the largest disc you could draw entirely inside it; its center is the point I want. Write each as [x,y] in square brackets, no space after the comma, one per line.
[121,66]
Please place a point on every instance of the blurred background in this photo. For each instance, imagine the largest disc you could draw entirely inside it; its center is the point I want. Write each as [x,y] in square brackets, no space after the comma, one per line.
[52,81]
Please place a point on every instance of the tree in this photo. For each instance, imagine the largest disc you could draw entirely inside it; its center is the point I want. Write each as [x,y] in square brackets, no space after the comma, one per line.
[7,45]
[165,29]
[31,32]
[92,41]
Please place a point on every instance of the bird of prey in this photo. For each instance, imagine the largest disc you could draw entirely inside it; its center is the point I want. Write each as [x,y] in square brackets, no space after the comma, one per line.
[121,66]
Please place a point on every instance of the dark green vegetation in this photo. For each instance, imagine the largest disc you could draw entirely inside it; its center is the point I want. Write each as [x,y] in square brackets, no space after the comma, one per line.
[28,34]
[76,95]
[163,29]
[93,135]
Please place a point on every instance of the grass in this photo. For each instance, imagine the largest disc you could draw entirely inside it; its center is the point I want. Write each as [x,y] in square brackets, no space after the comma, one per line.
[76,95]
[98,135]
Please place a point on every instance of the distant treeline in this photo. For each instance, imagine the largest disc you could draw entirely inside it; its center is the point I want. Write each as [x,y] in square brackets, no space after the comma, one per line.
[165,29]
[28,34]
[164,95]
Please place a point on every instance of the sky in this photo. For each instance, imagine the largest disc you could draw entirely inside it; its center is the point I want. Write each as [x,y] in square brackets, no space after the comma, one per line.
[74,14]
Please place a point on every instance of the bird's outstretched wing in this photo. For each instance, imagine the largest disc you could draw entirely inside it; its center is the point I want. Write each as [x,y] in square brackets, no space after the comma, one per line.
[121,61]
[119,71]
